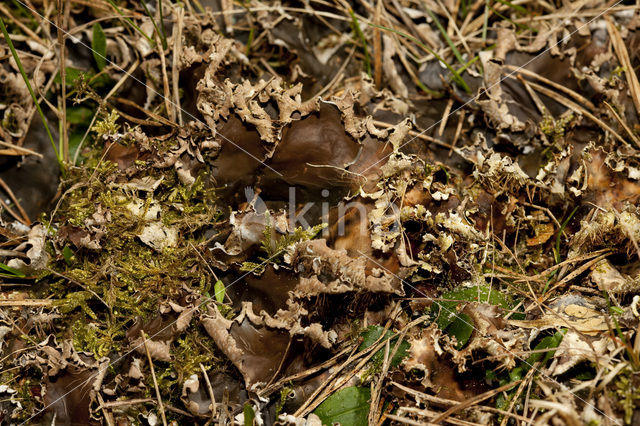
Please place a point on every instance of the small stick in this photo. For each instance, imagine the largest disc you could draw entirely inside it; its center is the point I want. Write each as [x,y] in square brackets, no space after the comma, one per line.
[471,401]
[107,415]
[214,409]
[12,213]
[175,75]
[165,81]
[25,151]
[377,48]
[534,96]
[458,131]
[625,61]
[445,117]
[626,128]
[576,108]
[526,380]
[155,381]
[9,192]
[581,99]
[28,302]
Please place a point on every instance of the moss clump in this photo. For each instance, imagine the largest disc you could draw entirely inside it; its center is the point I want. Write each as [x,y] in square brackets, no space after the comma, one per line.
[627,392]
[555,129]
[107,126]
[112,278]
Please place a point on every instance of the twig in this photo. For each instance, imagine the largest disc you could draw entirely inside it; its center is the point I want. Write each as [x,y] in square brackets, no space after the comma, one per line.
[458,131]
[62,54]
[576,108]
[26,302]
[9,192]
[21,150]
[576,96]
[214,409]
[175,74]
[534,96]
[515,397]
[13,214]
[445,117]
[474,400]
[377,48]
[623,56]
[155,380]
[626,128]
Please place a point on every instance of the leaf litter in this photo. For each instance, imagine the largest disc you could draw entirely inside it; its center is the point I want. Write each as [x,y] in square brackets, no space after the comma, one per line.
[327,212]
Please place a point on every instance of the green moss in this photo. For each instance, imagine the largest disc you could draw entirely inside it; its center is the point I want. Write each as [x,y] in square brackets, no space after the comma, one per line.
[627,392]
[107,126]
[555,129]
[125,279]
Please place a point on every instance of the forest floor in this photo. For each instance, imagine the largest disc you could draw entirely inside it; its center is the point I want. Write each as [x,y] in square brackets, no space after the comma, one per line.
[316,212]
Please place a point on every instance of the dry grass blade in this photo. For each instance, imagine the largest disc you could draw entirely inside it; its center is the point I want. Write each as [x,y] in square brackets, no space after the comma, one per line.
[576,96]
[625,61]
[624,125]
[15,200]
[576,108]
[475,400]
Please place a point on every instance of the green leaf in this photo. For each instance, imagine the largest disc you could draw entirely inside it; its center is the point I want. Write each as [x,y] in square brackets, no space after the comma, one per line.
[12,273]
[548,342]
[70,76]
[461,328]
[67,253]
[99,46]
[219,291]
[249,414]
[349,406]
[446,309]
[79,115]
[372,334]
[461,325]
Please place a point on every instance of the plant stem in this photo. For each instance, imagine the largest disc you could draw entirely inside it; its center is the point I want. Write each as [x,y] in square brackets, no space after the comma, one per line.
[161,34]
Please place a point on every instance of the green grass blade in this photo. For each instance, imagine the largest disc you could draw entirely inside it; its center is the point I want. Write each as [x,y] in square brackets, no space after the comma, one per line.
[360,34]
[250,41]
[453,47]
[33,95]
[12,273]
[464,67]
[456,75]
[161,34]
[130,22]
[164,35]
[557,248]
[564,225]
